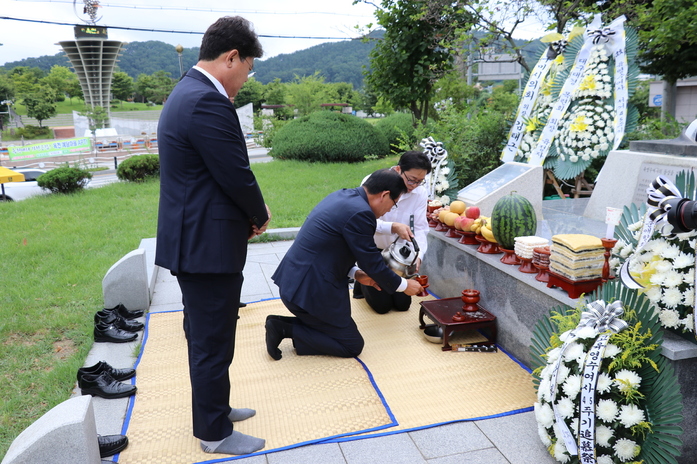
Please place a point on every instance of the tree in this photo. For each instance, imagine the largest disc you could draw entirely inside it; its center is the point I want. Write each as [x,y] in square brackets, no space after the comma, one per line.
[418,48]
[59,79]
[308,93]
[143,85]
[156,87]
[251,92]
[40,104]
[122,86]
[25,79]
[7,93]
[275,93]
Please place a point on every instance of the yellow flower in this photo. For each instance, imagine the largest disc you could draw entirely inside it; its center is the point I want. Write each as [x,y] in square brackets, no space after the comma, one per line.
[643,277]
[559,60]
[531,124]
[579,124]
[588,82]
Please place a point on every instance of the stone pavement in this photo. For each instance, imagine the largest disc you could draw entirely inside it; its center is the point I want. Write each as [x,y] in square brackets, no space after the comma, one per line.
[505,440]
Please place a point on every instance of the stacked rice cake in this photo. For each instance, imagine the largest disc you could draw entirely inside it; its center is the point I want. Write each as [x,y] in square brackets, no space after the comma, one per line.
[524,245]
[577,256]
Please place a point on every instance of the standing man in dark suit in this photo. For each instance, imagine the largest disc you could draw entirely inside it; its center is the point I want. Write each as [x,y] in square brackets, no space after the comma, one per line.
[210,205]
[313,275]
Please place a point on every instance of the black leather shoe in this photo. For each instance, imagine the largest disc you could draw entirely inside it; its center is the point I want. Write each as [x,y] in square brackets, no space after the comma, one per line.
[126,313]
[104,386]
[112,317]
[101,366]
[243,305]
[109,445]
[111,333]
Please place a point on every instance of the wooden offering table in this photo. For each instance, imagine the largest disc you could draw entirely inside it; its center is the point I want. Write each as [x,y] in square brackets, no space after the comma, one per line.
[442,311]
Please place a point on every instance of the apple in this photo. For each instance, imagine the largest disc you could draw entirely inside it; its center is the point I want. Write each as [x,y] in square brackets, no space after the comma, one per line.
[472,212]
[466,223]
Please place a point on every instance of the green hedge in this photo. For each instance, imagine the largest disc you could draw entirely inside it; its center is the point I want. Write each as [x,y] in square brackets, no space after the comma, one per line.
[64,180]
[325,136]
[139,168]
[398,129]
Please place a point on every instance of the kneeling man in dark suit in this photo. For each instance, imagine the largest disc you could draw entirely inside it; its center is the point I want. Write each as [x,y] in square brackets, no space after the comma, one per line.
[313,276]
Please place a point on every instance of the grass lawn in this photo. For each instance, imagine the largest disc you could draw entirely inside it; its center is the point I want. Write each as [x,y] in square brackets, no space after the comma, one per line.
[56,250]
[68,106]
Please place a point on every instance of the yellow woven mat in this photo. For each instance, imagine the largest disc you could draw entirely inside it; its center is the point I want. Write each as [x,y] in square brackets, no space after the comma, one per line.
[306,399]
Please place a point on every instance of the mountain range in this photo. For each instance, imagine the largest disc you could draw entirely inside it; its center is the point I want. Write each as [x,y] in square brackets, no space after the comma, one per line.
[337,61]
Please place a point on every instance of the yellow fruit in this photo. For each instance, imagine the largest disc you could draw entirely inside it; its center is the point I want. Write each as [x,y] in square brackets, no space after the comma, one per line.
[488,234]
[449,218]
[441,214]
[458,206]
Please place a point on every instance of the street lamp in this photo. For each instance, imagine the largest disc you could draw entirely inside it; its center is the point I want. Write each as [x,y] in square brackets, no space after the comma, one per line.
[179,50]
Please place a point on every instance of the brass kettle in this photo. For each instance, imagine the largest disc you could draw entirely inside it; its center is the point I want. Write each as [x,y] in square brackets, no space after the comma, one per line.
[402,258]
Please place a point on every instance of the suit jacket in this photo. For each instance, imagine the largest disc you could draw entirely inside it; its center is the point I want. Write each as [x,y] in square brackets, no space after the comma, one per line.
[209,197]
[337,234]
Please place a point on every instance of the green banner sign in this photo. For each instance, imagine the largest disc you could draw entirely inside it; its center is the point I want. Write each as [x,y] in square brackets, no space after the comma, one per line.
[47,149]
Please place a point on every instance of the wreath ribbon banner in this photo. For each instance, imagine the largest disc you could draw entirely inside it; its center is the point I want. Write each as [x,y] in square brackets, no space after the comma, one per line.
[575,78]
[602,318]
[617,43]
[438,156]
[527,103]
[659,193]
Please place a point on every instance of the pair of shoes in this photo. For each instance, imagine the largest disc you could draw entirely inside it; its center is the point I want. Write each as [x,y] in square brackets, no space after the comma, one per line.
[113,317]
[111,333]
[243,305]
[104,386]
[109,445]
[358,291]
[126,313]
[277,328]
[101,366]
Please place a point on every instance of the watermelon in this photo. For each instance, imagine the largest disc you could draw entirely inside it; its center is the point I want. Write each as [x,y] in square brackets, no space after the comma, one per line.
[513,216]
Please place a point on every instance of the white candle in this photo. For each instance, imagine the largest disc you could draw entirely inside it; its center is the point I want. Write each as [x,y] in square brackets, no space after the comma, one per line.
[610,232]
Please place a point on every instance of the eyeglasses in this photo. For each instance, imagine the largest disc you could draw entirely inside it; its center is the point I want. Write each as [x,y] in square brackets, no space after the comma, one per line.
[395,205]
[411,181]
[251,69]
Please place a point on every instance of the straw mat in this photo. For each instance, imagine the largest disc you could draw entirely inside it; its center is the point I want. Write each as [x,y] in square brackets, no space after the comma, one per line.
[309,399]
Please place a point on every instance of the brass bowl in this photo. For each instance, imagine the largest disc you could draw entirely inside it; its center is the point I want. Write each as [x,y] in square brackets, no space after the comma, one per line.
[433,333]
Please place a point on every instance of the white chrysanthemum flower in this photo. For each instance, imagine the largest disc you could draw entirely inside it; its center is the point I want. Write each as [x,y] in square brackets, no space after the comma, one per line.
[572,386]
[585,157]
[689,276]
[689,323]
[604,383]
[586,332]
[659,246]
[573,352]
[671,252]
[603,434]
[688,298]
[565,336]
[614,263]
[544,414]
[565,407]
[630,414]
[672,297]
[626,251]
[683,260]
[601,124]
[673,279]
[654,294]
[573,426]
[663,266]
[544,436]
[611,350]
[543,390]
[573,158]
[560,453]
[604,459]
[606,410]
[553,355]
[626,378]
[445,171]
[626,449]
[658,277]
[669,318]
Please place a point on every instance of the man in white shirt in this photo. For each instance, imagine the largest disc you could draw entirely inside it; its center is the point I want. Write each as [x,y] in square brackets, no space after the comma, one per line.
[411,207]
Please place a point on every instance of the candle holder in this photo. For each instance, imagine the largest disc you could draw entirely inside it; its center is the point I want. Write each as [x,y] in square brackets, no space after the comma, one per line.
[487,247]
[608,244]
[542,273]
[526,266]
[467,238]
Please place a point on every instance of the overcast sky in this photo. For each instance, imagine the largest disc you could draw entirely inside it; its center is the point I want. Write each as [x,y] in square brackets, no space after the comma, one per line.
[289,26]
[330,20]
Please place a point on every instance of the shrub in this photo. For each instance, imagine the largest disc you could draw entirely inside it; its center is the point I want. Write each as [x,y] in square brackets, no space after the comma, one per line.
[30,132]
[397,128]
[139,168]
[64,180]
[326,136]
